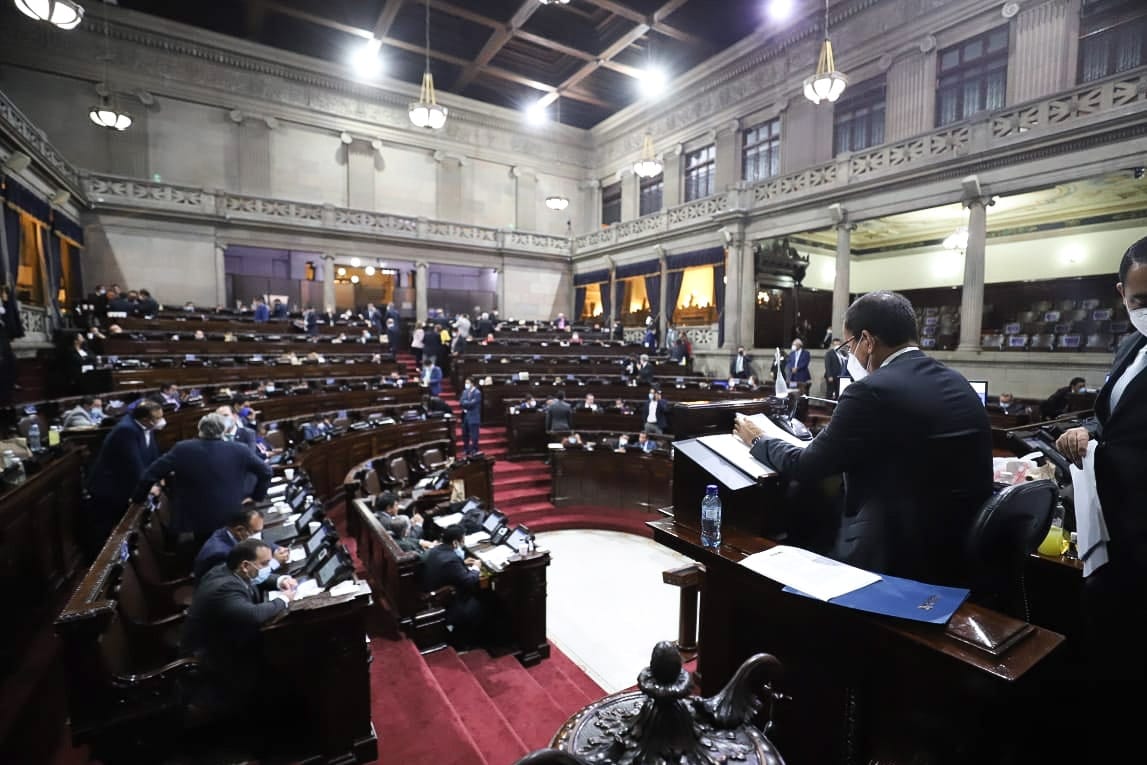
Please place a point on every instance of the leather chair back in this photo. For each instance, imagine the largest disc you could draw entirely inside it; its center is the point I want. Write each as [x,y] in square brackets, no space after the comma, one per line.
[1008,528]
[398,470]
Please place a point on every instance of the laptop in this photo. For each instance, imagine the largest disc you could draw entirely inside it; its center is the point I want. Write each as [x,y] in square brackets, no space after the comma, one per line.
[286,531]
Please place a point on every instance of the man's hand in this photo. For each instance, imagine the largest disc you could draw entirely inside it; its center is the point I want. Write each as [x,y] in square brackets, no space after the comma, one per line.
[416,519]
[425,545]
[288,584]
[1073,445]
[283,555]
[471,562]
[745,429]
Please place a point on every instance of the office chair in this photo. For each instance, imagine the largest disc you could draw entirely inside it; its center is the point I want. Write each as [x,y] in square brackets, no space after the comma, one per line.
[1008,528]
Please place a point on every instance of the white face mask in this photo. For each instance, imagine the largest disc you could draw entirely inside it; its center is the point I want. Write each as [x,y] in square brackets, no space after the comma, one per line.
[796,348]
[855,370]
[160,424]
[1138,318]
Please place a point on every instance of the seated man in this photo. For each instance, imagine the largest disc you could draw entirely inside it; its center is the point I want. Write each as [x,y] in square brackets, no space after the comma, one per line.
[222,629]
[620,407]
[529,404]
[645,443]
[243,524]
[88,414]
[589,405]
[406,531]
[1008,404]
[572,441]
[1056,405]
[445,565]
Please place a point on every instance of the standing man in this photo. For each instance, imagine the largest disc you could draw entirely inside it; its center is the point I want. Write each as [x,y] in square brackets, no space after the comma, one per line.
[124,456]
[1056,404]
[833,364]
[741,367]
[797,366]
[1115,593]
[207,479]
[262,312]
[392,334]
[432,377]
[914,445]
[655,413]
[471,416]
[558,414]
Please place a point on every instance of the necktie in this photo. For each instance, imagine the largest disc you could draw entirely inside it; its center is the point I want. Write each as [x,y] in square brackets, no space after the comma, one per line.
[1129,374]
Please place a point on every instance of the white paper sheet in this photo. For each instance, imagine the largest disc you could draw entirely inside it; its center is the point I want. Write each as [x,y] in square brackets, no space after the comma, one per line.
[297,554]
[735,451]
[448,520]
[772,430]
[1090,526]
[476,538]
[822,578]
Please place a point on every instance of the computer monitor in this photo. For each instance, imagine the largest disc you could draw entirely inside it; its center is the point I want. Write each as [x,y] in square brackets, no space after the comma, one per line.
[519,539]
[492,521]
[981,389]
[330,572]
[315,541]
[843,382]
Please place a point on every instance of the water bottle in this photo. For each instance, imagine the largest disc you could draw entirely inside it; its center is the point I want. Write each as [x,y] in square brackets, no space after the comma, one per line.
[711,518]
[34,437]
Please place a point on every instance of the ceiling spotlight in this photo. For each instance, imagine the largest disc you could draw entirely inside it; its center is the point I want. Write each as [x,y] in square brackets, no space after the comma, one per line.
[355,262]
[64,14]
[370,270]
[654,81]
[554,2]
[557,203]
[354,279]
[779,10]
[365,61]
[341,271]
[536,113]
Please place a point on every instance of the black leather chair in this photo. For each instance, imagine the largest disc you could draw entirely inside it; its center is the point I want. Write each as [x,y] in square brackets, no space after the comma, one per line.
[1008,528]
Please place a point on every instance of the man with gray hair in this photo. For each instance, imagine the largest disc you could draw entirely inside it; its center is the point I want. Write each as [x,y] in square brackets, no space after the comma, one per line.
[205,479]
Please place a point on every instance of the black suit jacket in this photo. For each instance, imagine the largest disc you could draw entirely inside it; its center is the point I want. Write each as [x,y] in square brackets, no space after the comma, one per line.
[222,627]
[746,367]
[662,413]
[558,416]
[832,364]
[207,481]
[645,374]
[1120,458]
[123,458]
[915,447]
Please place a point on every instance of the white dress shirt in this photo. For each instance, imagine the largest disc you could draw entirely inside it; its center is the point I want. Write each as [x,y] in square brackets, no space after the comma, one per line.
[1133,370]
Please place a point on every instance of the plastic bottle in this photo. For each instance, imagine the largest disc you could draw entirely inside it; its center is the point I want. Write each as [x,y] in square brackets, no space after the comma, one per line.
[711,517]
[14,472]
[1055,542]
[34,437]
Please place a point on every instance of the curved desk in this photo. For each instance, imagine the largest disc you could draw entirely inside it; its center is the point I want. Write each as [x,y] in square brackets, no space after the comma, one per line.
[605,478]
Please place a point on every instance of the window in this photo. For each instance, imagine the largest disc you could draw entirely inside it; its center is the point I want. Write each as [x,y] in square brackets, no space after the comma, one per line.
[651,192]
[761,155]
[858,118]
[972,77]
[696,303]
[611,204]
[1113,38]
[592,305]
[700,167]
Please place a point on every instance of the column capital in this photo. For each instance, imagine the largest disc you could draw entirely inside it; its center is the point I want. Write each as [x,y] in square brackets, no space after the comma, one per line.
[420,264]
[328,256]
[518,171]
[592,183]
[978,201]
[730,126]
[444,156]
[660,252]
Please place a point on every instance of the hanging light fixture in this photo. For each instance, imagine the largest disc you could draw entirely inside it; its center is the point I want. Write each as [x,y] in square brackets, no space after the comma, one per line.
[557,203]
[65,14]
[827,84]
[957,240]
[426,112]
[106,113]
[649,165]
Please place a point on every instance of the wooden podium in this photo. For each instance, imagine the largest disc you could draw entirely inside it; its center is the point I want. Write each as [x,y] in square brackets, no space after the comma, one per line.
[863,688]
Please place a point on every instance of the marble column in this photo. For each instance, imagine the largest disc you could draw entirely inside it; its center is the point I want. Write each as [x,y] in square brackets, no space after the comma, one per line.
[525,198]
[220,276]
[911,94]
[360,170]
[451,199]
[664,314]
[630,195]
[972,299]
[671,175]
[727,143]
[328,281]
[740,288]
[1039,28]
[613,312]
[840,285]
[421,282]
[590,202]
[254,153]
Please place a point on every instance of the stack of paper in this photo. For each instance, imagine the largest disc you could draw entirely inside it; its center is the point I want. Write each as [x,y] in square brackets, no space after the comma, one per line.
[495,558]
[448,520]
[815,575]
[477,538]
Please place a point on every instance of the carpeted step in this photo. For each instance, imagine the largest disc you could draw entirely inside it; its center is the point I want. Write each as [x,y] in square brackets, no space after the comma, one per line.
[491,731]
[568,696]
[538,508]
[414,718]
[526,704]
[524,495]
[575,674]
[508,481]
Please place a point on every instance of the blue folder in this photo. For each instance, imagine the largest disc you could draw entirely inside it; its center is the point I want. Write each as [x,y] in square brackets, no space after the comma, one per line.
[902,598]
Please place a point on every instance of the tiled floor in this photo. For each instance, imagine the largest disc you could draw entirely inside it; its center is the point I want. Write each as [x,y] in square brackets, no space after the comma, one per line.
[607,605]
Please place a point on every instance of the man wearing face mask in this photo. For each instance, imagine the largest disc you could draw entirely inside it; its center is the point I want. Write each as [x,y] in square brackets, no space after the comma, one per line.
[222,628]
[236,431]
[1115,593]
[126,452]
[471,402]
[447,564]
[655,413]
[797,366]
[244,524]
[88,414]
[914,445]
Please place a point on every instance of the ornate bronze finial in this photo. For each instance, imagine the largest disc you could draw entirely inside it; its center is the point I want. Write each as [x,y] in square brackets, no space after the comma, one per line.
[662,723]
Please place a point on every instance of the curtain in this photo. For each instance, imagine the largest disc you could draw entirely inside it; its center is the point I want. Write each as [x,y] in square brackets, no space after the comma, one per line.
[673,289]
[51,251]
[653,292]
[719,301]
[606,297]
[591,277]
[71,280]
[579,303]
[29,268]
[11,222]
[706,257]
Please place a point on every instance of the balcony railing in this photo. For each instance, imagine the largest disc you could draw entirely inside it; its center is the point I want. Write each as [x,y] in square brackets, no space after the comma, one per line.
[111,192]
[1082,107]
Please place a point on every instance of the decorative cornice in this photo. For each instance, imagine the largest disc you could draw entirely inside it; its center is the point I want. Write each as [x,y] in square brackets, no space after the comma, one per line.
[31,140]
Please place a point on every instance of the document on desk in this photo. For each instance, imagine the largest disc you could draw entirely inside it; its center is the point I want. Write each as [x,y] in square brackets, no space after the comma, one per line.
[496,557]
[477,538]
[814,575]
[448,520]
[297,554]
[733,450]
[772,430]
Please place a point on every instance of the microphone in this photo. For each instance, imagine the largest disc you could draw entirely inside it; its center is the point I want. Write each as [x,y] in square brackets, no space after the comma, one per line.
[821,400]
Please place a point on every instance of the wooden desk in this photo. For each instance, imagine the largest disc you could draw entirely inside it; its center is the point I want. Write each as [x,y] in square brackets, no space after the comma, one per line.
[153,377]
[605,478]
[502,393]
[867,688]
[526,430]
[126,347]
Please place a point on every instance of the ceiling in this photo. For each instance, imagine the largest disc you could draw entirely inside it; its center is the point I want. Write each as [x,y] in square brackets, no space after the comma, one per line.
[505,52]
[1093,200]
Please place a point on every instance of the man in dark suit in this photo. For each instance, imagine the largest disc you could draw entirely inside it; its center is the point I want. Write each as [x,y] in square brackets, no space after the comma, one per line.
[913,442]
[796,366]
[236,430]
[244,524]
[392,335]
[741,366]
[126,452]
[445,565]
[1056,404]
[1115,593]
[644,370]
[485,327]
[431,343]
[207,479]
[432,376]
[558,414]
[262,312]
[654,413]
[833,364]
[471,401]
[222,628]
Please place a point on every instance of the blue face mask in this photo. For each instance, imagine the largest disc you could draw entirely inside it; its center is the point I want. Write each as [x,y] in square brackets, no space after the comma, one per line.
[261,575]
[460,553]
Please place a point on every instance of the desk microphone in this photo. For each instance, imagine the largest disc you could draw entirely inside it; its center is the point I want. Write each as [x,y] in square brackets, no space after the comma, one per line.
[821,400]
